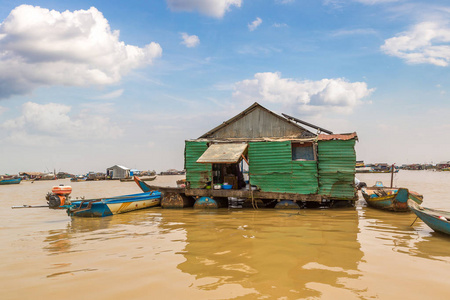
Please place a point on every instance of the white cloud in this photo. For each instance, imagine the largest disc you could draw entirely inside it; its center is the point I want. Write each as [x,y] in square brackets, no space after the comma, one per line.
[52,122]
[339,3]
[252,26]
[280,25]
[46,47]
[284,1]
[110,95]
[212,8]
[2,109]
[373,2]
[304,95]
[426,42]
[190,41]
[359,31]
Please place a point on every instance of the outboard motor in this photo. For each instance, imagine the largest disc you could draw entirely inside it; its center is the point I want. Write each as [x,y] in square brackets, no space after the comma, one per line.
[59,196]
[359,184]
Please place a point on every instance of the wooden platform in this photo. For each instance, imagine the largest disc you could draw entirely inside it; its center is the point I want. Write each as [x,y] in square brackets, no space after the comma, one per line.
[242,194]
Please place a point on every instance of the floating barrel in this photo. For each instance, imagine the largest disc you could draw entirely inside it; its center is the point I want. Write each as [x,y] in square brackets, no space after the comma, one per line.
[208,202]
[176,200]
[287,204]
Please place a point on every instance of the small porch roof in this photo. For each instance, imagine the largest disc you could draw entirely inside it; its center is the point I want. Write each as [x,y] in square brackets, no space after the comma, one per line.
[225,153]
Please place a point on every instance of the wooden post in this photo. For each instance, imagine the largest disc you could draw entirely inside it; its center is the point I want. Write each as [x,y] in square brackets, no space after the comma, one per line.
[176,200]
[392,175]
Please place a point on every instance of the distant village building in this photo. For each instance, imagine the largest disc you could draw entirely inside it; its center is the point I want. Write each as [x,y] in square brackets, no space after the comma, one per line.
[173,172]
[94,176]
[117,172]
[443,165]
[30,175]
[63,175]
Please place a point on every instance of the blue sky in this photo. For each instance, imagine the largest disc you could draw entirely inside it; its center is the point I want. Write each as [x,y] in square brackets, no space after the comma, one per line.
[85,85]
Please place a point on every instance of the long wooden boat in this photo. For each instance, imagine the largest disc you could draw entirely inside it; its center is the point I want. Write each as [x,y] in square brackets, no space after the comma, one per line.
[144,187]
[103,207]
[438,220]
[10,181]
[78,179]
[392,199]
[143,178]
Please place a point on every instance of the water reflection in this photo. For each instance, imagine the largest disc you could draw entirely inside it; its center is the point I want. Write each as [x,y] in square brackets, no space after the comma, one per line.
[81,230]
[278,254]
[394,230]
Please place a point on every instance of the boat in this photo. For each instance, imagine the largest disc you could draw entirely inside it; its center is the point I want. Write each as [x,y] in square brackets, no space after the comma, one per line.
[438,220]
[78,178]
[144,187]
[10,181]
[392,199]
[103,207]
[143,178]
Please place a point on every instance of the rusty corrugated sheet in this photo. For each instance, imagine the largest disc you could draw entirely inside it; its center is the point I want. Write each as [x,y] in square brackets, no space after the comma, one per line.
[341,137]
[272,169]
[337,159]
[197,174]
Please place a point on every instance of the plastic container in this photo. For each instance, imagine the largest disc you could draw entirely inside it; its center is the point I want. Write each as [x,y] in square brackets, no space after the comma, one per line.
[62,190]
[227,186]
[217,186]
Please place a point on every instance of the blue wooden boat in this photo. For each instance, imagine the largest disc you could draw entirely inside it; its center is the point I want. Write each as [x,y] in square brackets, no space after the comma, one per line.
[11,181]
[438,220]
[144,187]
[103,207]
[392,199]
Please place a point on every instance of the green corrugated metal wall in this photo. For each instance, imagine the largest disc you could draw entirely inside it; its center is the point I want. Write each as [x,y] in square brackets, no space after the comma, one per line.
[272,169]
[337,161]
[197,174]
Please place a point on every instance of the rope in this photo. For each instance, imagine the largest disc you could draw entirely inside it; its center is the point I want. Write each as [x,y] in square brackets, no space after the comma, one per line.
[414,221]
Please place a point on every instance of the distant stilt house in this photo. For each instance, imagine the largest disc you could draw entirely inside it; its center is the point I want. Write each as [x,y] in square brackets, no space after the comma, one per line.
[30,175]
[443,165]
[269,158]
[117,172]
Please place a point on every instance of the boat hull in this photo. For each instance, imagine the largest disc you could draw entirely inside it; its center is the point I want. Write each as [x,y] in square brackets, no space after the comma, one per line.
[140,178]
[393,200]
[112,206]
[438,220]
[10,181]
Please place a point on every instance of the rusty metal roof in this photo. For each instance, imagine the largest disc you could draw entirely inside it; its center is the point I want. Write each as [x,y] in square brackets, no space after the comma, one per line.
[341,137]
[223,153]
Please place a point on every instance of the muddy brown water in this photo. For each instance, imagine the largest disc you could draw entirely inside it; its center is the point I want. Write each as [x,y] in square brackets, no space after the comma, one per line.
[350,253]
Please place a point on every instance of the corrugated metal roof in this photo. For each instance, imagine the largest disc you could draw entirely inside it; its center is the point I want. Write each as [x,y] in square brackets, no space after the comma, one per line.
[223,153]
[341,137]
[31,173]
[118,166]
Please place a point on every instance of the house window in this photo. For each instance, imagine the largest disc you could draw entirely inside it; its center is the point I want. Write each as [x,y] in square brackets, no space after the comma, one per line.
[303,151]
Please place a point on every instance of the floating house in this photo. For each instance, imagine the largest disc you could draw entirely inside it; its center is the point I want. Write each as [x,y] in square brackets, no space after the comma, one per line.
[117,172]
[269,160]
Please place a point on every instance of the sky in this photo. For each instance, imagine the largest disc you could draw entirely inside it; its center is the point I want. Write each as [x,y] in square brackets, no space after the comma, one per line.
[85,85]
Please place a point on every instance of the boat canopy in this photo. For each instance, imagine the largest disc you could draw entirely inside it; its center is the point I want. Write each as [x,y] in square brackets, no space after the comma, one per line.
[224,153]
